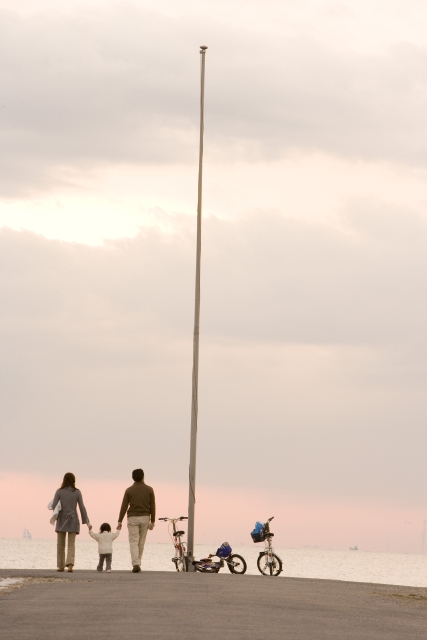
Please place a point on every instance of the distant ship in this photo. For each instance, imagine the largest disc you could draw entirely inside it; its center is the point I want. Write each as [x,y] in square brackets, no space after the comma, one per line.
[27,534]
[353,549]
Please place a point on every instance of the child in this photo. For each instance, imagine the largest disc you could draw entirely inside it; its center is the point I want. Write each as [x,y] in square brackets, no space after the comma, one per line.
[105,545]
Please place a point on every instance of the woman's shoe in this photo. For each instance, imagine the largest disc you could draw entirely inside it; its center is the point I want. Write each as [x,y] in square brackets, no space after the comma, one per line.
[70,567]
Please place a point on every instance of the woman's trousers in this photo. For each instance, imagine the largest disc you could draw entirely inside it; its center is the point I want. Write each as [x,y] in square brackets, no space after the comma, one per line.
[71,551]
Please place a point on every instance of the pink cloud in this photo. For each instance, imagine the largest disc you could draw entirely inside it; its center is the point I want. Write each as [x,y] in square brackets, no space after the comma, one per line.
[223,513]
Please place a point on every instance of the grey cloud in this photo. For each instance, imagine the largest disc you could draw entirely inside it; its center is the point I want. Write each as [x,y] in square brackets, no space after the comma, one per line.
[123,87]
[314,283]
[266,278]
[313,340]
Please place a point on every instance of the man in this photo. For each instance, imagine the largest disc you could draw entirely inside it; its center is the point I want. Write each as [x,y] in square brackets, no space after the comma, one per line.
[140,505]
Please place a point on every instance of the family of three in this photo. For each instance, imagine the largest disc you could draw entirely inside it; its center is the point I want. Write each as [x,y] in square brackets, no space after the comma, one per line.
[138,503]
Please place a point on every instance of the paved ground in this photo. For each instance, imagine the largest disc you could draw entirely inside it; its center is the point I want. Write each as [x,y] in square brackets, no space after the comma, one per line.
[127,606]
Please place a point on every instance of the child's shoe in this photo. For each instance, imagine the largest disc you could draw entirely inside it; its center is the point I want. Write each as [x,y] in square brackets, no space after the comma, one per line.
[108,570]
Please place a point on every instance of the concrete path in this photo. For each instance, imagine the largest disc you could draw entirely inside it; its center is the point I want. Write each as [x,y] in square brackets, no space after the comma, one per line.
[126,606]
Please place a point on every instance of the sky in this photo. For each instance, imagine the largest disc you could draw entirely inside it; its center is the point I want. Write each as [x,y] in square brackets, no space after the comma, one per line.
[313,349]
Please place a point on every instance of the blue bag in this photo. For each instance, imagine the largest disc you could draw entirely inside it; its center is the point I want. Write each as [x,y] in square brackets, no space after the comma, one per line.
[258,534]
[224,550]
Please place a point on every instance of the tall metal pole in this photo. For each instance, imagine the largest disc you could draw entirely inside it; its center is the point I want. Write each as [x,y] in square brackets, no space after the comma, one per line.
[195,382]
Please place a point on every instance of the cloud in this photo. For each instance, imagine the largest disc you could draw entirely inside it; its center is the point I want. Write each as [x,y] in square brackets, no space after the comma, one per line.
[266,278]
[91,88]
[221,513]
[312,354]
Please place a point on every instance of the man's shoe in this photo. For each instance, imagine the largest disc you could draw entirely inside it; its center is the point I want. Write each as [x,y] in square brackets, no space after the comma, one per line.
[70,567]
[60,569]
[136,568]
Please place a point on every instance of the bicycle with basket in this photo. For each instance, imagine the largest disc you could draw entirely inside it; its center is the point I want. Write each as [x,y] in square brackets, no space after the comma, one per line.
[225,555]
[268,563]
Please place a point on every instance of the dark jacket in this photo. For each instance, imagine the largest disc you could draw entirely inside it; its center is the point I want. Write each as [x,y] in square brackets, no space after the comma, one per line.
[140,500]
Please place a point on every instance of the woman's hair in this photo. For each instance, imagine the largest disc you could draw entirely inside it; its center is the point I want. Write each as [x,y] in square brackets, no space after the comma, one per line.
[105,527]
[69,481]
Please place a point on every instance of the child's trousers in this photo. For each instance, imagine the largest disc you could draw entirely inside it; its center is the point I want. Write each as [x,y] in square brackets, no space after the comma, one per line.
[108,557]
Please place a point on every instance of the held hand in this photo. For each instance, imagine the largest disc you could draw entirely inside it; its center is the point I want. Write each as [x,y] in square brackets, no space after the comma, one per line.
[151,526]
[119,526]
[90,526]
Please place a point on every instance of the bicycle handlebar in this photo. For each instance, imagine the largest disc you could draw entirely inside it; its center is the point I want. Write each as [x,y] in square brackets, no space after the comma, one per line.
[270,519]
[176,519]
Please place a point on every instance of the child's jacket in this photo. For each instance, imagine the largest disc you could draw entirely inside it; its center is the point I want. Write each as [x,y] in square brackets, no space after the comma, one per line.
[105,540]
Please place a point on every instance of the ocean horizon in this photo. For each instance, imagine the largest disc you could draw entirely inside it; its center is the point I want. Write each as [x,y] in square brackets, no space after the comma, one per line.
[404,569]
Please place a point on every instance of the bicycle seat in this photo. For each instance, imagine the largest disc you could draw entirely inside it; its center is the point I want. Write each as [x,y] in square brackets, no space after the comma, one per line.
[269,535]
[179,533]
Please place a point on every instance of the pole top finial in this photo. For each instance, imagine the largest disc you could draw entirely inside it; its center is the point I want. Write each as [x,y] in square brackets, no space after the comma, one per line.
[202,49]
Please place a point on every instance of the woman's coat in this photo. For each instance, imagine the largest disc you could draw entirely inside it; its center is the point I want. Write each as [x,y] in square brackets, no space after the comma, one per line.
[68,520]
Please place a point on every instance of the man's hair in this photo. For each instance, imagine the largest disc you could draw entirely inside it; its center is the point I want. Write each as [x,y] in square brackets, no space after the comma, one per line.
[105,527]
[137,475]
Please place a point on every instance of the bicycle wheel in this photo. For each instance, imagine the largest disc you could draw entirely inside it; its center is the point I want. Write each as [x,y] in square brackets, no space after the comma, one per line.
[200,566]
[273,568]
[180,564]
[236,564]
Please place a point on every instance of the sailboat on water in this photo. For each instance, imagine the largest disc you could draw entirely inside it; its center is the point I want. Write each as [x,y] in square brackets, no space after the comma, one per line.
[27,534]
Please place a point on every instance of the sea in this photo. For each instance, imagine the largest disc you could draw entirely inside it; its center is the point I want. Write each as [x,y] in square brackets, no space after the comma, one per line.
[350,566]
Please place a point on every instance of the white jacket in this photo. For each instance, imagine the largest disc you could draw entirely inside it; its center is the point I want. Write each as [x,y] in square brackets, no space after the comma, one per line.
[56,511]
[105,540]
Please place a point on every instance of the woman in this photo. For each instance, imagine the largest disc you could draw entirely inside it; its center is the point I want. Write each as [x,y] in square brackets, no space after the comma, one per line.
[68,521]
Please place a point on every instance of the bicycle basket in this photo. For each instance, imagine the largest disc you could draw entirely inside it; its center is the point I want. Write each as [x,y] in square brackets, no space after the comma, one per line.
[258,534]
[224,550]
